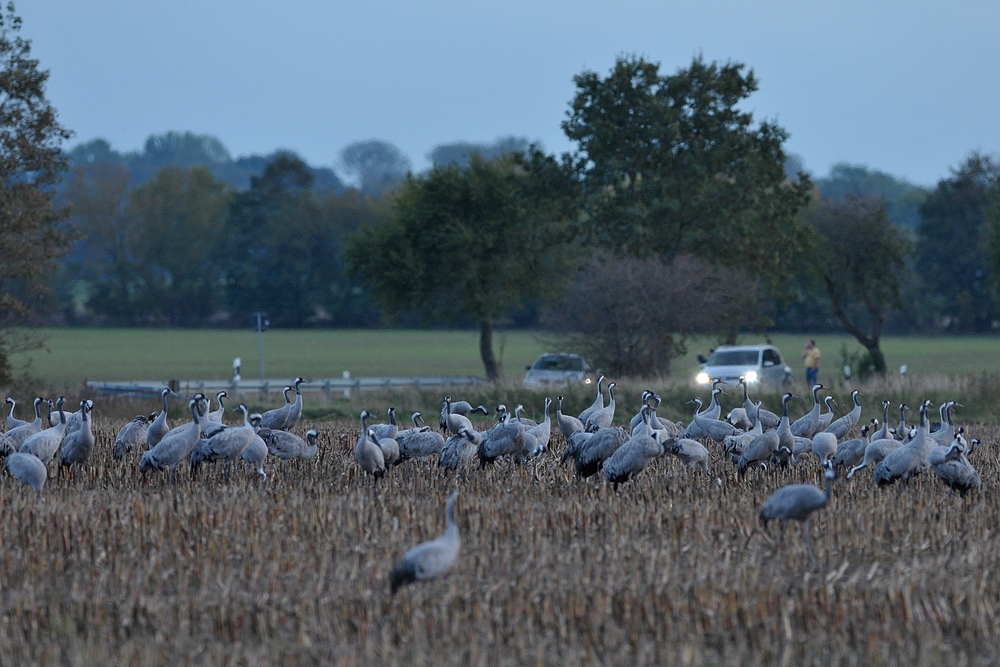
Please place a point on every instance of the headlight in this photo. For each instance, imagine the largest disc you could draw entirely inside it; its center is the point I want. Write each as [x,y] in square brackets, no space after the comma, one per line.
[702,378]
[587,381]
[751,376]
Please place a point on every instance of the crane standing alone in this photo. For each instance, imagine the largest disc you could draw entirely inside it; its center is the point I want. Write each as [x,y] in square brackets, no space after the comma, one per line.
[797,502]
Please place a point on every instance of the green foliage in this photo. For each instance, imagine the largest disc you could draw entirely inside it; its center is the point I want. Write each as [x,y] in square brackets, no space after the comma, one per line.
[281,252]
[31,162]
[470,243]
[902,198]
[861,258]
[953,251]
[379,165]
[151,256]
[671,165]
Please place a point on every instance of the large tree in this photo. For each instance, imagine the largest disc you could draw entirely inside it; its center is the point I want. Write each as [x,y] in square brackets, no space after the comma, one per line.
[282,250]
[468,244]
[674,165]
[953,245]
[378,165]
[861,260]
[31,161]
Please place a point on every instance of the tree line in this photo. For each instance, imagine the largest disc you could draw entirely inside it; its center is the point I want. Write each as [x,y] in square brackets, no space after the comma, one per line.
[676,213]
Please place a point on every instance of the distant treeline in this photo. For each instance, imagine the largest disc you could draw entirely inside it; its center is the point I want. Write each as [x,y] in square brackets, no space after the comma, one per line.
[182,234]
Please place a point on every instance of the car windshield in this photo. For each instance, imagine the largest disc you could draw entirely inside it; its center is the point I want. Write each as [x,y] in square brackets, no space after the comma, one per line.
[733,358]
[558,362]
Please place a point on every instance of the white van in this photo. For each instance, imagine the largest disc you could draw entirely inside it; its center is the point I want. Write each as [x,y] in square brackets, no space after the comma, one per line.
[556,368]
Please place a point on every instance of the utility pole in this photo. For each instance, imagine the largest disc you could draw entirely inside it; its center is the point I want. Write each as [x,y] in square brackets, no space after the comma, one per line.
[262,324]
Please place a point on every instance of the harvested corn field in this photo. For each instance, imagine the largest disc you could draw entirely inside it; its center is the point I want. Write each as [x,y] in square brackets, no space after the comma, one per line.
[104,567]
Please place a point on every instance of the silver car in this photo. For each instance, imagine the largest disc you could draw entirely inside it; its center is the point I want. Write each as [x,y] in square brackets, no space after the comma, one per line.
[759,364]
[553,369]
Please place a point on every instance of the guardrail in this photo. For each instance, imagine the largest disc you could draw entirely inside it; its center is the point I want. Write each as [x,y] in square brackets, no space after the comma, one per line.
[348,387]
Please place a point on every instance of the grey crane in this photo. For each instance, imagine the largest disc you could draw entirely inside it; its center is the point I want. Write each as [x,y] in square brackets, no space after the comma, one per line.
[257,451]
[824,446]
[506,438]
[288,446]
[51,420]
[735,444]
[785,438]
[908,461]
[850,452]
[883,432]
[74,421]
[598,449]
[78,445]
[454,422]
[691,453]
[13,422]
[759,451]
[131,435]
[574,443]
[463,408]
[175,446]
[637,420]
[459,449]
[633,456]
[16,436]
[216,415]
[225,446]
[825,418]
[389,447]
[797,502]
[953,468]
[598,403]
[432,559]
[945,432]
[417,428]
[295,410]
[275,419]
[805,426]
[158,427]
[543,432]
[716,429]
[767,419]
[901,430]
[841,427]
[568,425]
[713,411]
[419,443]
[367,453]
[390,430]
[875,452]
[27,469]
[45,443]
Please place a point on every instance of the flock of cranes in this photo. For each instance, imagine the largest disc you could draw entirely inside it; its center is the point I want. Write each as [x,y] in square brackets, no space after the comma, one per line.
[205,439]
[750,437]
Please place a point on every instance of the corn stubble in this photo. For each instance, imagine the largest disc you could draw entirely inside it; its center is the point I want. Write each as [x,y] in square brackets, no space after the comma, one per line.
[103,567]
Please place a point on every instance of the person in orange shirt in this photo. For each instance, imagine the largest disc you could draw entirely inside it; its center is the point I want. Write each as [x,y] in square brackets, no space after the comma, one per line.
[811,357]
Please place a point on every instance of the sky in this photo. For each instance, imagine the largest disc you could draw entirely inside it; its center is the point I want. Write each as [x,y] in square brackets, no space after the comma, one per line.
[907,87]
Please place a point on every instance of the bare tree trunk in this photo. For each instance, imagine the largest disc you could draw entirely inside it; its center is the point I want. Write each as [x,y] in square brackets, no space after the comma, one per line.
[486,350]
[871,342]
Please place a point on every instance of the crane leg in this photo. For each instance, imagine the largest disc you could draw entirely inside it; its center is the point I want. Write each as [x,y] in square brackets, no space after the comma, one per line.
[805,535]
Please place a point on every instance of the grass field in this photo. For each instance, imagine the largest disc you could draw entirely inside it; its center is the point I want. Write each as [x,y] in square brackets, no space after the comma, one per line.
[74,355]
[106,568]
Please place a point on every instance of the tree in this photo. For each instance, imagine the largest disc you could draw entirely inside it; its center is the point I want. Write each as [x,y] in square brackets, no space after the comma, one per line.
[31,162]
[632,316]
[471,243]
[953,244]
[861,261]
[902,198]
[461,152]
[378,165]
[672,166]
[282,250]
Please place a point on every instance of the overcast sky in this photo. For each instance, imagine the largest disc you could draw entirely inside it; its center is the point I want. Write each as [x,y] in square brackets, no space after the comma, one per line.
[909,87]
